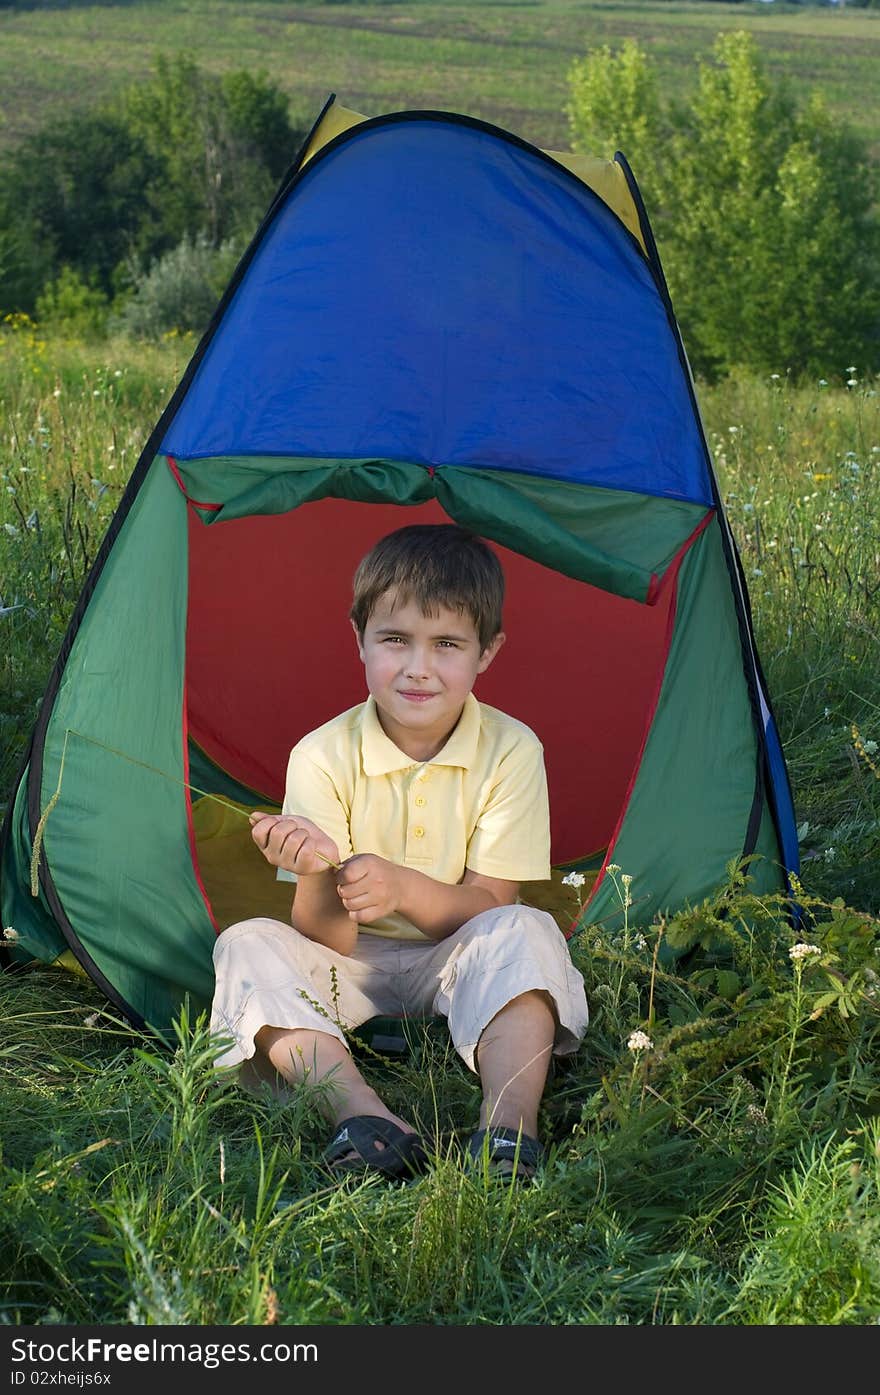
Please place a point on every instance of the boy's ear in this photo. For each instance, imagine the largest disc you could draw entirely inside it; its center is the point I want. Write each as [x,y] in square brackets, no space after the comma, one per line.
[358,639]
[490,651]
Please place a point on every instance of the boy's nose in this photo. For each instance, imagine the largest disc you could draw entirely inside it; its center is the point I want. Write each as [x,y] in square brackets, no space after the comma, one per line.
[417,665]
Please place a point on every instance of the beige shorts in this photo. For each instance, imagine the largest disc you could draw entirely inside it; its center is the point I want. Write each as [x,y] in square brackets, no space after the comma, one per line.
[269,975]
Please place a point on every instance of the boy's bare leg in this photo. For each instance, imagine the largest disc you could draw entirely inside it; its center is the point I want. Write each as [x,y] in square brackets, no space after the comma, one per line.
[301,1054]
[513,1057]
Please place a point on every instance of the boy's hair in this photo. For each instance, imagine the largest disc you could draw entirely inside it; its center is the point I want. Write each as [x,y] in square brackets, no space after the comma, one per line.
[433,564]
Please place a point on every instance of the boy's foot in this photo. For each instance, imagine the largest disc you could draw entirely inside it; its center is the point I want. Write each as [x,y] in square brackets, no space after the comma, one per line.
[369,1143]
[508,1152]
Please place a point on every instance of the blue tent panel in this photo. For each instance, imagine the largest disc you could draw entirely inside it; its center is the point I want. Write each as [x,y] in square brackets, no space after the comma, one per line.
[780,791]
[434,292]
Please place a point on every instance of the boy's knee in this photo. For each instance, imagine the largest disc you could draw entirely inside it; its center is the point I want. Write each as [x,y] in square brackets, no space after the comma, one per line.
[244,934]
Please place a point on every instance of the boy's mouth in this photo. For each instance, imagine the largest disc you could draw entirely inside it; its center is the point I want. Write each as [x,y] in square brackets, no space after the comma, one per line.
[412,695]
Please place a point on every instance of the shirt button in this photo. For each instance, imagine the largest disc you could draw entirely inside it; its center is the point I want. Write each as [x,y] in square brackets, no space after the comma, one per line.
[421,800]
[418,832]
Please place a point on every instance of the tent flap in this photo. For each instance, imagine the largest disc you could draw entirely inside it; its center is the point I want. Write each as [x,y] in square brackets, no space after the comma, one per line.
[611,539]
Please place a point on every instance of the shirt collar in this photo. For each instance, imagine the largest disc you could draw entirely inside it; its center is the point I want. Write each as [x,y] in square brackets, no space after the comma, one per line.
[380,755]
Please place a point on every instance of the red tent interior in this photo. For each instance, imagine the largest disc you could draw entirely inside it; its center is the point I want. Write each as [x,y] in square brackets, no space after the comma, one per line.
[270,655]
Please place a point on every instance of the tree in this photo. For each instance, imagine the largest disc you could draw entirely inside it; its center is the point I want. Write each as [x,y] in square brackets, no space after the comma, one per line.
[184,154]
[763,211]
[223,143]
[614,105]
[72,195]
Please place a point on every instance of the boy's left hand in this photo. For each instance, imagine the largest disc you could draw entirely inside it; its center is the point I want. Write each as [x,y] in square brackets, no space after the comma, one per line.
[369,887]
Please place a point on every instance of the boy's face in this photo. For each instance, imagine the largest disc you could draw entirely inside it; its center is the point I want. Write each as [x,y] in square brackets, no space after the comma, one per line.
[420,669]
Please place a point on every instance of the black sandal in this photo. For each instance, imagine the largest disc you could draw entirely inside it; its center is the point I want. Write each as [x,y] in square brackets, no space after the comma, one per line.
[508,1152]
[402,1156]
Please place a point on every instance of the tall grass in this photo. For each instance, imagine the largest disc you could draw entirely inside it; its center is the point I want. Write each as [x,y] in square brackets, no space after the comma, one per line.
[800,469]
[723,1167]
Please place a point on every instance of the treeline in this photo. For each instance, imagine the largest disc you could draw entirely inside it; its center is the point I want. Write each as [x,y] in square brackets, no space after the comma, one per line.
[133,215]
[764,210]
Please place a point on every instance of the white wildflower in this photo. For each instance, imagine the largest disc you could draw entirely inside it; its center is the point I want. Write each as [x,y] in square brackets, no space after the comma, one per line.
[869,747]
[639,1041]
[10,933]
[641,942]
[612,868]
[574,879]
[802,951]
[91,1020]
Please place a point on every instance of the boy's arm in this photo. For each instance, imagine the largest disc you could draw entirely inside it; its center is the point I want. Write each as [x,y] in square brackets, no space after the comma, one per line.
[319,915]
[370,888]
[298,845]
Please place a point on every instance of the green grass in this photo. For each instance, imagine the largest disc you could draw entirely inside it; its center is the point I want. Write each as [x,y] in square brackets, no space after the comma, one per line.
[728,1174]
[505,63]
[695,1183]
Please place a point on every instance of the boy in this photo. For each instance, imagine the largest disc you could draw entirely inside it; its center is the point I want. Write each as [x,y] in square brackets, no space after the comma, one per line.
[408,823]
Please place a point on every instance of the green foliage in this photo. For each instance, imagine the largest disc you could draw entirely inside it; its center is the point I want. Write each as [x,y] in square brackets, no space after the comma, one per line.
[99,195]
[220,143]
[763,209]
[615,104]
[816,1261]
[70,306]
[180,290]
[72,196]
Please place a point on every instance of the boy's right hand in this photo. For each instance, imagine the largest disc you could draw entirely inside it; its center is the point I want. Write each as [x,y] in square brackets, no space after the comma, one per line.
[294,843]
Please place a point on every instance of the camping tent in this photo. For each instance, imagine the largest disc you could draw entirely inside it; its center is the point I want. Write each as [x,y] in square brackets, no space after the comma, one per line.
[435,321]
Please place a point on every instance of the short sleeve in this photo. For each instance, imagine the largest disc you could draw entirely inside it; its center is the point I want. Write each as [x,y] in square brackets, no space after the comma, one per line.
[311,791]
[511,838]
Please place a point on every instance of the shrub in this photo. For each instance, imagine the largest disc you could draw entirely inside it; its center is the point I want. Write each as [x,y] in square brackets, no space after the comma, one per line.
[763,211]
[180,290]
[71,306]
[183,152]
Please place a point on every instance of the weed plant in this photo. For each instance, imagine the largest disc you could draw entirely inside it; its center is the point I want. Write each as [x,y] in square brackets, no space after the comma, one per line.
[715,1145]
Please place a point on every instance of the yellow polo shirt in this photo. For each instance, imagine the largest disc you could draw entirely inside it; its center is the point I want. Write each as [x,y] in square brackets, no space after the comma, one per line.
[480,803]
